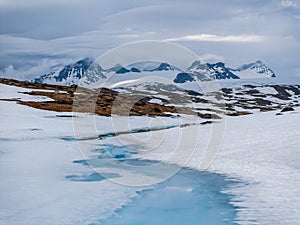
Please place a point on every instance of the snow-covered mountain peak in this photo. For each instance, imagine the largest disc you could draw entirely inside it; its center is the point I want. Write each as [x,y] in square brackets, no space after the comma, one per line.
[165,66]
[151,66]
[206,71]
[196,65]
[255,68]
[85,62]
[85,72]
[72,73]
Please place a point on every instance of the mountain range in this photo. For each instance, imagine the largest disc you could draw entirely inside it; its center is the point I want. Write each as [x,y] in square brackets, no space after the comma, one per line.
[87,72]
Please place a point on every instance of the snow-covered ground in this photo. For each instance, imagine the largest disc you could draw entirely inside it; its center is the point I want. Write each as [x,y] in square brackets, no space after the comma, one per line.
[261,149]
[34,162]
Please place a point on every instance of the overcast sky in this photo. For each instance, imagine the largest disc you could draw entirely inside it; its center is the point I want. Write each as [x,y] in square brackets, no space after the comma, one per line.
[36,36]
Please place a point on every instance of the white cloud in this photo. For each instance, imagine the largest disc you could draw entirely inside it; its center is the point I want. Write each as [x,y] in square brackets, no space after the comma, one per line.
[288,3]
[44,66]
[242,31]
[208,57]
[219,38]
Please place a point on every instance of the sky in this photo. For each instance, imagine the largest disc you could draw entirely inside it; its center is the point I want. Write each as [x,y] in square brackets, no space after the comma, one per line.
[37,37]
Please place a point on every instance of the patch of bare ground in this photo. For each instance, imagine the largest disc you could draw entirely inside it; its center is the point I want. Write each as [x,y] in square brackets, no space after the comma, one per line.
[105,102]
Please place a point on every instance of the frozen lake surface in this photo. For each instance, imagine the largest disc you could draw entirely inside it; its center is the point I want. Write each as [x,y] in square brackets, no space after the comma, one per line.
[189,197]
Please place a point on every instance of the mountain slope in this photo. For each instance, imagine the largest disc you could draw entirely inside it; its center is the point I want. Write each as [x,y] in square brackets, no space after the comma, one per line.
[255,69]
[207,71]
[72,73]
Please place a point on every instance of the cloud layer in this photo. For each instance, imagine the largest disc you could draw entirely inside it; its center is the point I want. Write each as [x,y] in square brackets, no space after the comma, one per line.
[288,3]
[219,38]
[56,32]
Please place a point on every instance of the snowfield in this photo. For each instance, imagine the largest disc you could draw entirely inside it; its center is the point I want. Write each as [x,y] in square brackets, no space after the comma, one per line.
[34,162]
[262,150]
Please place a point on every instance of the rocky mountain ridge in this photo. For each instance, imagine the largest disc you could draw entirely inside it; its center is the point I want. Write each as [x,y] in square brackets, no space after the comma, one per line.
[85,71]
